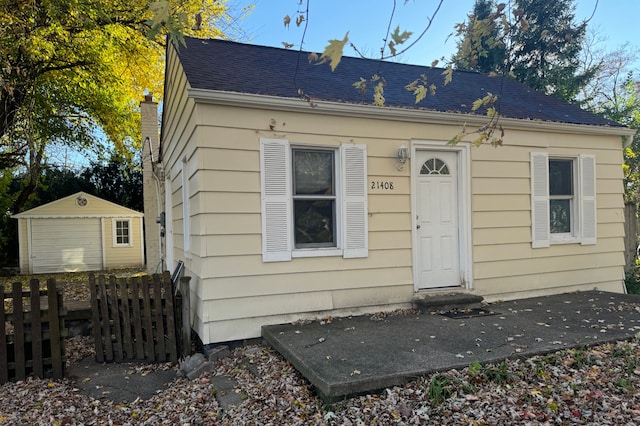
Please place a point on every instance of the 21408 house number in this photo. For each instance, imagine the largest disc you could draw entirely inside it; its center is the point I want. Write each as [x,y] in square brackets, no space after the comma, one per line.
[381,184]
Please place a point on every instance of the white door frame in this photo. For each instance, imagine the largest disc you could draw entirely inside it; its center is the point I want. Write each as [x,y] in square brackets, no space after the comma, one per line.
[462,149]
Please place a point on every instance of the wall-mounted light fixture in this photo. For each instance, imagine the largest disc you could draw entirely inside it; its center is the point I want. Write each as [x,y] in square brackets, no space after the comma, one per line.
[403,156]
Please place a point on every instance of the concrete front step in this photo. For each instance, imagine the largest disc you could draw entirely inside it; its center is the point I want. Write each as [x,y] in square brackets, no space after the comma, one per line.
[446,302]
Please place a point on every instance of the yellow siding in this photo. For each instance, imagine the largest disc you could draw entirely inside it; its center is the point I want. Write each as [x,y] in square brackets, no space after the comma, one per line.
[230,266]
[23,246]
[235,289]
[505,265]
[499,252]
[178,125]
[499,203]
[283,284]
[309,301]
[120,257]
[560,281]
[523,267]
[500,219]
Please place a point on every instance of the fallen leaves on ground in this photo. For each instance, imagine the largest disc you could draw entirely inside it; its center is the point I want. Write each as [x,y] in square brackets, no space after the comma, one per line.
[594,385]
[74,284]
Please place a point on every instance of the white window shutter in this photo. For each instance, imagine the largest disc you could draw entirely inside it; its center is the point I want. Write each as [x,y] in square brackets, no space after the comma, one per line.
[275,181]
[588,199]
[540,231]
[355,224]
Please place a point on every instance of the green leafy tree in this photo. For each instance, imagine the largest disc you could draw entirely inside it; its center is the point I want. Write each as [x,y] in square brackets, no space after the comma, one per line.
[56,183]
[545,49]
[614,92]
[538,43]
[73,72]
[623,106]
[482,47]
[118,181]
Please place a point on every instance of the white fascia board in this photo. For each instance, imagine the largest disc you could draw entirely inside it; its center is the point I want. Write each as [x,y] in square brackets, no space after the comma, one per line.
[248,100]
[75,216]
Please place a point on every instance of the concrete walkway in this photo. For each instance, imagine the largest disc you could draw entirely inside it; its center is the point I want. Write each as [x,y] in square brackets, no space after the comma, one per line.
[350,356]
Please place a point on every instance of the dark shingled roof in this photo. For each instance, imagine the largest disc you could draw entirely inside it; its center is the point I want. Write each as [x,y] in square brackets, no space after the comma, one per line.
[235,67]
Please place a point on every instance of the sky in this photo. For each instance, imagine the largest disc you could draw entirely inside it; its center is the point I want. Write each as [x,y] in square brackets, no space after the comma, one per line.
[616,22]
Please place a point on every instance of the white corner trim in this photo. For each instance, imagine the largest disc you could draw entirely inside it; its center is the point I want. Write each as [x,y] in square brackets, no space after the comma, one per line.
[76,216]
[142,243]
[103,243]
[29,245]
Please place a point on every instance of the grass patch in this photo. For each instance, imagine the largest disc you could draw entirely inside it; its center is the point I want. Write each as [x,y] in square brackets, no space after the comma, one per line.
[442,387]
[498,374]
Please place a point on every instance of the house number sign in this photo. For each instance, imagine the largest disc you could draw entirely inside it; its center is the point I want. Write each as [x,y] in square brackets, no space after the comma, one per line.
[381,184]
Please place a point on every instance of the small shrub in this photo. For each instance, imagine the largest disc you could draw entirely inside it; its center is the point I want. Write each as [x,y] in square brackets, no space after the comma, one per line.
[632,280]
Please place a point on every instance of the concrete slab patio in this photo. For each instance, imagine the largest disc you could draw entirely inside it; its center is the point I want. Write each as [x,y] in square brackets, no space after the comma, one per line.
[349,356]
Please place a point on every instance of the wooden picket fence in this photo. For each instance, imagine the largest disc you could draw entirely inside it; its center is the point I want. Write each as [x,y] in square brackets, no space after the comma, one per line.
[135,318]
[32,332]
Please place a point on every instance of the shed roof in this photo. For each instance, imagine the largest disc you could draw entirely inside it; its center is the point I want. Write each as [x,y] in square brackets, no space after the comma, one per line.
[73,206]
[220,65]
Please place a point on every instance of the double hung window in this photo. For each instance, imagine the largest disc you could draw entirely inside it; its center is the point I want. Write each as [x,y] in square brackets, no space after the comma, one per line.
[314,198]
[561,196]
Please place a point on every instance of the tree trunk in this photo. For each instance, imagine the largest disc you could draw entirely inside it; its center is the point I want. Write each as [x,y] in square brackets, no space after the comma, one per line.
[35,168]
[11,99]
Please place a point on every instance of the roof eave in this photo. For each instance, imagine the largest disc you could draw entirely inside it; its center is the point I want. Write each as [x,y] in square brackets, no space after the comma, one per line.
[249,100]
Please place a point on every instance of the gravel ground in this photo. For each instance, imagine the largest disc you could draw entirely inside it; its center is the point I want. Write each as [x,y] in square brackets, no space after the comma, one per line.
[595,386]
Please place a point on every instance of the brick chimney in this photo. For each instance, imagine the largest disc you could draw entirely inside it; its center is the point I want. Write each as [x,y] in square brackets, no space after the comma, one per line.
[152,185]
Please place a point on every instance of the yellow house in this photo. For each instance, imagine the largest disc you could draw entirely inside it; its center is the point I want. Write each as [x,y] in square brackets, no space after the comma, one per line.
[289,195]
[80,232]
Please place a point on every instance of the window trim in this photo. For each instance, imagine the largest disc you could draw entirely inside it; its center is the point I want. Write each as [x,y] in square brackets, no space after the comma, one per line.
[114,229]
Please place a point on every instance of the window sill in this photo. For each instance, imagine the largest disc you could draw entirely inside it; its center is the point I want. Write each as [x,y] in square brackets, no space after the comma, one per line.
[316,252]
[564,239]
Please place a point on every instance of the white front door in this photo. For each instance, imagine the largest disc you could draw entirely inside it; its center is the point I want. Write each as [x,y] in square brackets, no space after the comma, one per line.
[437,219]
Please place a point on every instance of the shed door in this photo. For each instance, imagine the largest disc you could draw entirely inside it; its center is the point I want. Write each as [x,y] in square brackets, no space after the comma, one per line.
[66,245]
[437,220]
